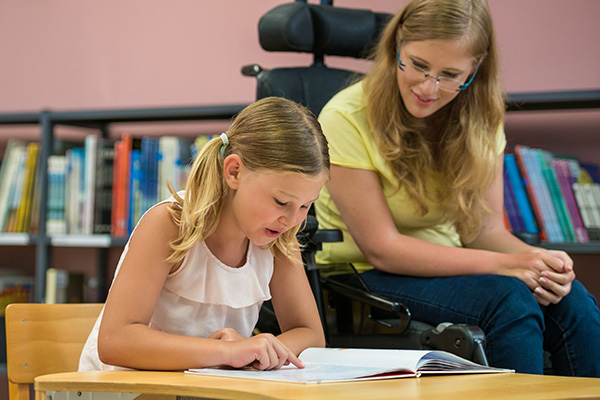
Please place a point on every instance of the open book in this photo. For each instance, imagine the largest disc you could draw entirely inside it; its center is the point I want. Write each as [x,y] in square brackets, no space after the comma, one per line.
[338,365]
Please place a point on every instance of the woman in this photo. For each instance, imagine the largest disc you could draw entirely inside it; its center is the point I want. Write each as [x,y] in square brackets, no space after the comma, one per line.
[416,187]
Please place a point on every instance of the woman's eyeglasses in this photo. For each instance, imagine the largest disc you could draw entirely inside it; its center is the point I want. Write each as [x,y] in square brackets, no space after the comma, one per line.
[418,73]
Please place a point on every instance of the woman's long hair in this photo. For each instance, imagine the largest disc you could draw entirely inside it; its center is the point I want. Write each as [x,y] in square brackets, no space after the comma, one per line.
[463,153]
[270,134]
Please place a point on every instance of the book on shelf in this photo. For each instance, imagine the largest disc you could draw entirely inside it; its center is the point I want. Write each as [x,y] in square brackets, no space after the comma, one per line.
[63,286]
[120,183]
[563,206]
[323,365]
[95,186]
[14,288]
[74,189]
[564,219]
[518,187]
[514,219]
[105,157]
[24,210]
[56,222]
[563,169]
[90,149]
[15,189]
[539,194]
[8,173]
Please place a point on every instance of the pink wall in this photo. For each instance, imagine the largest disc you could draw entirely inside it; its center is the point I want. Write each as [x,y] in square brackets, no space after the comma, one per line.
[71,54]
[82,54]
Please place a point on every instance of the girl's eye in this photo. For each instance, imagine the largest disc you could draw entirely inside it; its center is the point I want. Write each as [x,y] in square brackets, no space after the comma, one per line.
[280,203]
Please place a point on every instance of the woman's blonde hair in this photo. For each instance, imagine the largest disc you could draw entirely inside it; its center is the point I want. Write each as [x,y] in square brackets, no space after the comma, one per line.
[464,152]
[270,134]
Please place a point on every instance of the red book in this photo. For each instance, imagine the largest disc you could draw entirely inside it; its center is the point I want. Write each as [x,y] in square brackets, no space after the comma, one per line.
[537,210]
[120,186]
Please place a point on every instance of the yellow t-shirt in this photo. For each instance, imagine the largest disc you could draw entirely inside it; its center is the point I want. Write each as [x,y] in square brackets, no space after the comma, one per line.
[351,144]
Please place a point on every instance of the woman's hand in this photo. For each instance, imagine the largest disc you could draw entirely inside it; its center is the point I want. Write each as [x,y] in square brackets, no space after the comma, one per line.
[263,352]
[547,273]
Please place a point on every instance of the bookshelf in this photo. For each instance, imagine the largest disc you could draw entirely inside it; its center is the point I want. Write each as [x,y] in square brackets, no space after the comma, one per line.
[102,119]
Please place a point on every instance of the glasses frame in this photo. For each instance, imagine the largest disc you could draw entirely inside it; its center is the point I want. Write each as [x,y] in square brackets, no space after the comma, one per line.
[461,87]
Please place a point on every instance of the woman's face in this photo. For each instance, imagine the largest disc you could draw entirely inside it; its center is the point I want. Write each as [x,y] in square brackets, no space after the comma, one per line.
[440,59]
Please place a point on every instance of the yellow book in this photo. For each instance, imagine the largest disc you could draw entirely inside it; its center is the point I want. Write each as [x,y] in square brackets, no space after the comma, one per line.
[24,211]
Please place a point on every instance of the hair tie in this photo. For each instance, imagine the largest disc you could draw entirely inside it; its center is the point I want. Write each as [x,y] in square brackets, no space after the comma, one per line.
[224,139]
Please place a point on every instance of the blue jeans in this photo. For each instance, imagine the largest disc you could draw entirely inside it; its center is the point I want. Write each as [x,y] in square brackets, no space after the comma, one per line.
[517,328]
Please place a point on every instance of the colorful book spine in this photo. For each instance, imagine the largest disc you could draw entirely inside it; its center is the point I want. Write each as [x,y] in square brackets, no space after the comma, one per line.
[518,186]
[511,207]
[104,186]
[562,214]
[563,170]
[539,194]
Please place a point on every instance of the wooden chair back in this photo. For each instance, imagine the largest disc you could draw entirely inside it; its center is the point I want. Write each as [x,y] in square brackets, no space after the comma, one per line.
[44,339]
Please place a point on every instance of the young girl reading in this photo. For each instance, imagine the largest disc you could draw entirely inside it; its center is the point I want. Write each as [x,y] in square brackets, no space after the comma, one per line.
[198,266]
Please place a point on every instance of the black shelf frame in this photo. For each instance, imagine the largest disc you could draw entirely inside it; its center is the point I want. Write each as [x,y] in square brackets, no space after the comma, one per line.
[542,101]
[101,119]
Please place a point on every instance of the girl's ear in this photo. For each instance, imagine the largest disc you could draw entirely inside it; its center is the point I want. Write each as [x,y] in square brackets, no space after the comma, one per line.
[232,166]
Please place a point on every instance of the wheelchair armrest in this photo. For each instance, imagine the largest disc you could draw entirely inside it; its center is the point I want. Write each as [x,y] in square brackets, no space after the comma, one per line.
[371,299]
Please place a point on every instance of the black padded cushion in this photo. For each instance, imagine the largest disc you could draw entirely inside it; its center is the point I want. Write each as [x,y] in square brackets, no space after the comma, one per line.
[320,29]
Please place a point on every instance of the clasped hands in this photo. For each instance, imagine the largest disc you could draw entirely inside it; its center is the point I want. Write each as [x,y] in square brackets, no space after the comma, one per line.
[547,273]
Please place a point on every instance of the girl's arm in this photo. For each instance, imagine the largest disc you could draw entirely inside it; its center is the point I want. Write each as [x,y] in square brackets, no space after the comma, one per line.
[294,305]
[125,338]
[375,233]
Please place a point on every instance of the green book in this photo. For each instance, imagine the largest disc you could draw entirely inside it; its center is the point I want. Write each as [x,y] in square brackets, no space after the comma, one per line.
[564,219]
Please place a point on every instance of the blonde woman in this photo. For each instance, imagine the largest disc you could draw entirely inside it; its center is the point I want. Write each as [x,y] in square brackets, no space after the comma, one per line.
[416,187]
[197,268]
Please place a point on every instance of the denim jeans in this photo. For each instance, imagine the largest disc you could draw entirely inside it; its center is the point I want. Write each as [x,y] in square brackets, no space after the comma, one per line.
[517,328]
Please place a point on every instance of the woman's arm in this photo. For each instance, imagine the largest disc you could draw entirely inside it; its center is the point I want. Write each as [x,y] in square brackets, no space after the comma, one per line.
[358,195]
[125,338]
[295,307]
[375,233]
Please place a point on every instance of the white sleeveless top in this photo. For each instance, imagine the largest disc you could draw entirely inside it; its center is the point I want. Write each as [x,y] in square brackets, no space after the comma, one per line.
[201,297]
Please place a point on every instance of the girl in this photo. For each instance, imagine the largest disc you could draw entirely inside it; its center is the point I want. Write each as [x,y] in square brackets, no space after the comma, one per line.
[420,141]
[198,266]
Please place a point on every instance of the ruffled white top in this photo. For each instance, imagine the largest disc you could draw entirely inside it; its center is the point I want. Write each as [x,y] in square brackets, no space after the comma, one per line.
[201,297]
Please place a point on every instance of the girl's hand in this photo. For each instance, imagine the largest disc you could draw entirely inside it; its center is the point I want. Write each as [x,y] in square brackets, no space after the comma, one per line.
[227,335]
[263,352]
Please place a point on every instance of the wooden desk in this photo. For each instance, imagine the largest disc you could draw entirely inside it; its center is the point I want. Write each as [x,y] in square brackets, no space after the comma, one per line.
[171,384]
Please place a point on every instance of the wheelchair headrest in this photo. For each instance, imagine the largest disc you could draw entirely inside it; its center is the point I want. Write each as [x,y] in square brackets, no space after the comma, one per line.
[320,29]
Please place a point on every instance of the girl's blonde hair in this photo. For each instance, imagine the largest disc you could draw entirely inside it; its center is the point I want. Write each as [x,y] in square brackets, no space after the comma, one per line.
[464,152]
[270,134]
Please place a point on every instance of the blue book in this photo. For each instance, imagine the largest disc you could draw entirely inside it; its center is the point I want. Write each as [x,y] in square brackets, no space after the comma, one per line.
[135,192]
[516,182]
[547,212]
[511,207]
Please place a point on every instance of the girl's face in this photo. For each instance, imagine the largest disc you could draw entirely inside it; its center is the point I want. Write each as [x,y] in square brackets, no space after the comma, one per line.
[267,203]
[439,59]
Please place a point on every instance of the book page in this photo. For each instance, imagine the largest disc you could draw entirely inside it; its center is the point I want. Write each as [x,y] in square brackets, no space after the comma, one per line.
[312,373]
[383,359]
